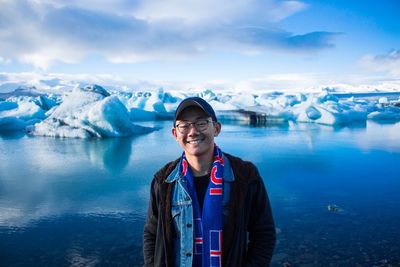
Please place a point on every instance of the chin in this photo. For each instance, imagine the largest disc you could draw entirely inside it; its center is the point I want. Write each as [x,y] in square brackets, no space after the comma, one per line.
[195,151]
[198,151]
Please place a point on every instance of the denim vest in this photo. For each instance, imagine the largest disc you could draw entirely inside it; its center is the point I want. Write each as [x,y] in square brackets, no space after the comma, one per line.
[182,212]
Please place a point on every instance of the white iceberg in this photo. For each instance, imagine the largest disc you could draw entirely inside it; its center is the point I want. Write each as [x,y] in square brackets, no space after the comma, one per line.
[327,109]
[89,112]
[152,105]
[94,111]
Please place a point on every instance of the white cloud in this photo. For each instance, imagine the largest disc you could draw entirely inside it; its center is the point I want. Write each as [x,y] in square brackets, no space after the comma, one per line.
[4,61]
[387,63]
[42,32]
[227,12]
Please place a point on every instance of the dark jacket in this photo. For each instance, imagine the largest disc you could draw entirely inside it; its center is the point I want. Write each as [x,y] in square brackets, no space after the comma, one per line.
[249,235]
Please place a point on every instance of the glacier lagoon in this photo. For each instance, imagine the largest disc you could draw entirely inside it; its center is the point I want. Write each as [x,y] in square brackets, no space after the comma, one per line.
[82,202]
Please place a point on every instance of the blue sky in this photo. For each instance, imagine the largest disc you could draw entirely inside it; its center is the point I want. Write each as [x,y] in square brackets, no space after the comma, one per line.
[250,44]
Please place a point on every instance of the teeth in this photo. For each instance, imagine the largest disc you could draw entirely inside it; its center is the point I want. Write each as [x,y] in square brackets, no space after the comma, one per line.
[194,141]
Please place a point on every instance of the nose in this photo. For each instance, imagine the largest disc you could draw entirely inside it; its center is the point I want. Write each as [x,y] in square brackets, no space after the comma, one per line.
[192,129]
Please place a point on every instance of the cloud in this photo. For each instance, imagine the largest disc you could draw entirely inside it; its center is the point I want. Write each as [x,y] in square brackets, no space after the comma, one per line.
[4,61]
[42,32]
[387,63]
[227,12]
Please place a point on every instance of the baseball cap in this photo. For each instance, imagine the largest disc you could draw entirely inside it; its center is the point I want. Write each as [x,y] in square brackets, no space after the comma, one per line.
[197,102]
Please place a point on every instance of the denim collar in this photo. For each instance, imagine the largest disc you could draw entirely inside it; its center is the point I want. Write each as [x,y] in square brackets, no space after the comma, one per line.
[228,173]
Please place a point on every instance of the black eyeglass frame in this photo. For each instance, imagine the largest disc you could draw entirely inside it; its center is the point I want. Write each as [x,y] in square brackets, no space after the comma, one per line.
[194,124]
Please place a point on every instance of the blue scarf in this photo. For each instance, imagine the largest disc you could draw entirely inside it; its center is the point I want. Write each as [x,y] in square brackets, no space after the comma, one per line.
[207,234]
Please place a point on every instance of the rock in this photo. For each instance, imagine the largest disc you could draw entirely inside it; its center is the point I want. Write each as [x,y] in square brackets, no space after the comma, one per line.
[333,208]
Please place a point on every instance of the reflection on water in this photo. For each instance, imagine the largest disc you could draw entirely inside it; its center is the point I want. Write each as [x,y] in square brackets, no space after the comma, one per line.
[111,154]
[84,201]
[45,177]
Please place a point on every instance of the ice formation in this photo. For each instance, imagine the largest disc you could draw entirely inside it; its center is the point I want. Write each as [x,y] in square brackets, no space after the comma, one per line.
[93,111]
[88,112]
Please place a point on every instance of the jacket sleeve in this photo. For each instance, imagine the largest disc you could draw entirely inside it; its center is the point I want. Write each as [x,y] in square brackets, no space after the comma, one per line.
[150,228]
[261,227]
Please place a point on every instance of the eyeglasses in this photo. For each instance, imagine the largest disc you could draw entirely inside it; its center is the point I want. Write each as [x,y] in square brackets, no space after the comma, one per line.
[200,125]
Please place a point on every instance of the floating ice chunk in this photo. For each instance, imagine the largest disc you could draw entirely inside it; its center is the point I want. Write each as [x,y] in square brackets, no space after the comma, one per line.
[81,112]
[324,109]
[334,208]
[383,100]
[389,115]
[317,114]
[162,104]
[89,113]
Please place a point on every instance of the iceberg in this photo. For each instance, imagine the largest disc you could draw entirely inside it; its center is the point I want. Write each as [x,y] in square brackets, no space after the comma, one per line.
[88,112]
[54,108]
[152,105]
[385,115]
[328,110]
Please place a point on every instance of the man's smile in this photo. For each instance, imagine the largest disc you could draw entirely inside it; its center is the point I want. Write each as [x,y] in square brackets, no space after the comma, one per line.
[195,141]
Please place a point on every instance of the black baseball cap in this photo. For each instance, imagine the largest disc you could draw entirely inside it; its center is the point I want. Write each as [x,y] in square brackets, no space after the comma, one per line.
[197,102]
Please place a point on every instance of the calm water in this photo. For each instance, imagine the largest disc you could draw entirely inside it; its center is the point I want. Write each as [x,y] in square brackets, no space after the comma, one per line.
[69,202]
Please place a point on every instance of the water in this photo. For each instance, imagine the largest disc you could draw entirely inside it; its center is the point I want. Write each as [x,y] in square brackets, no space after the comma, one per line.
[71,202]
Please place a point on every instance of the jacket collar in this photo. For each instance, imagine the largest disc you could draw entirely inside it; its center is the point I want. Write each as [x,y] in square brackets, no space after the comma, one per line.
[227,177]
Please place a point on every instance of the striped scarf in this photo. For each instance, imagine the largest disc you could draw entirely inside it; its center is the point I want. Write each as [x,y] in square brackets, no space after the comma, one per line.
[207,234]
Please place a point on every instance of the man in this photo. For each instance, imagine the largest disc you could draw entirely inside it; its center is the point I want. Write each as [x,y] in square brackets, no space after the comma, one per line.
[207,208]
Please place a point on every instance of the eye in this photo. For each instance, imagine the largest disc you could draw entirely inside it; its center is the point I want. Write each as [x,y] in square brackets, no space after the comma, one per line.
[201,123]
[183,126]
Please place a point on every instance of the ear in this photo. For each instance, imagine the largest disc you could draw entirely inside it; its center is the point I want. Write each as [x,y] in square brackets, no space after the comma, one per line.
[174,134]
[217,129]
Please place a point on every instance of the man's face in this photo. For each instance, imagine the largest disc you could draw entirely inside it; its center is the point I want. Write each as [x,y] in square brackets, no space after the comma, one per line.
[195,142]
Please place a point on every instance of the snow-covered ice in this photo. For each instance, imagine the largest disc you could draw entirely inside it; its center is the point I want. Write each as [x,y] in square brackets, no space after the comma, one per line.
[94,111]
[88,112]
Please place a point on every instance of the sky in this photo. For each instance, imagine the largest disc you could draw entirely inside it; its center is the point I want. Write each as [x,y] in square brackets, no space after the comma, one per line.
[217,44]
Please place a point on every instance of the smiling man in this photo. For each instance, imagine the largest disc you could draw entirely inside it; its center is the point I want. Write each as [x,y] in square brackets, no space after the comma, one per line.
[207,208]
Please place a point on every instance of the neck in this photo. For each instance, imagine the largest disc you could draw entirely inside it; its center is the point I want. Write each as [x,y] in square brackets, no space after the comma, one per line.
[200,165]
